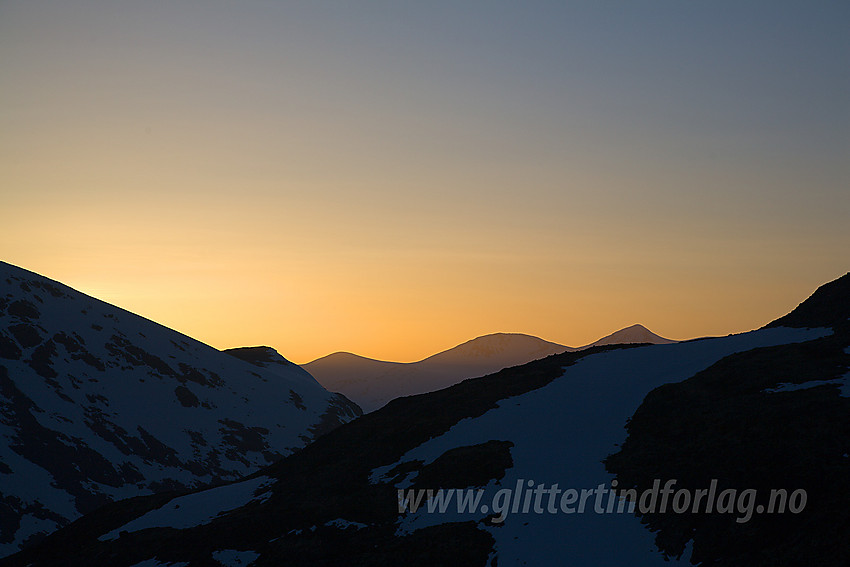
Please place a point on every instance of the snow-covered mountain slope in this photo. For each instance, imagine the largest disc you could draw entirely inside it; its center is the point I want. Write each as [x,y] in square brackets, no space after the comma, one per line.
[556,421]
[372,383]
[98,404]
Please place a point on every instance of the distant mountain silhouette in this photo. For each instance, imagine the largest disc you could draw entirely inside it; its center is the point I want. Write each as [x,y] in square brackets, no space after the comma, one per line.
[631,335]
[372,383]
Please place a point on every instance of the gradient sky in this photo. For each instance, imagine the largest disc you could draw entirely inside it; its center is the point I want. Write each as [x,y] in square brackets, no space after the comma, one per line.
[394,178]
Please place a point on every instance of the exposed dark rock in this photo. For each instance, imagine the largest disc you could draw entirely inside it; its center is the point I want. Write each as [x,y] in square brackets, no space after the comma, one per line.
[23,309]
[26,335]
[243,438]
[71,344]
[258,355]
[9,349]
[157,450]
[186,397]
[197,438]
[97,398]
[462,467]
[191,374]
[75,346]
[49,287]
[297,400]
[135,356]
[41,359]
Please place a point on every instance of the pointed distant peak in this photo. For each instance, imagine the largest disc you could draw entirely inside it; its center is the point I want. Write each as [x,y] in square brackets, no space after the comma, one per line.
[828,306]
[636,333]
[635,327]
[258,355]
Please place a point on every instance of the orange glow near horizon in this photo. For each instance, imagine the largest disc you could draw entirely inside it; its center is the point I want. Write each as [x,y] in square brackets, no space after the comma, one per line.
[393,312]
[395,182]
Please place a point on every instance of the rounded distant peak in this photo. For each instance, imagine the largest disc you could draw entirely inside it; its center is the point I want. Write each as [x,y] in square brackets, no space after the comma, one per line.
[498,346]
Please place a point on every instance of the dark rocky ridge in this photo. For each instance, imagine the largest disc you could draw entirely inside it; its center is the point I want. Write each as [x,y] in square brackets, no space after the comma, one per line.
[740,423]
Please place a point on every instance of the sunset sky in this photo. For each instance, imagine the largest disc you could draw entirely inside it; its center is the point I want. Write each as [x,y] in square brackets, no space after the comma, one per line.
[394,178]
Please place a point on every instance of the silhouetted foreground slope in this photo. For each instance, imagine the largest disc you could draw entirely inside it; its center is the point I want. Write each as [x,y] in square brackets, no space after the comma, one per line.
[98,404]
[770,418]
[828,306]
[549,422]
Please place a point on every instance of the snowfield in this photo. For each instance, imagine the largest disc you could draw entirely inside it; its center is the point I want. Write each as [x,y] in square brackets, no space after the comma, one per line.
[561,433]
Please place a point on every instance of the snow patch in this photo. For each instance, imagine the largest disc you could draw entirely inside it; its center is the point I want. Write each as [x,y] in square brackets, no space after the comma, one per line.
[791,387]
[156,563]
[342,524]
[235,558]
[843,383]
[198,508]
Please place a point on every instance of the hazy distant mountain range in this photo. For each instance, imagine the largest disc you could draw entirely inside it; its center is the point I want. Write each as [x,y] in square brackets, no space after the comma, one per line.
[98,404]
[372,383]
[768,409]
